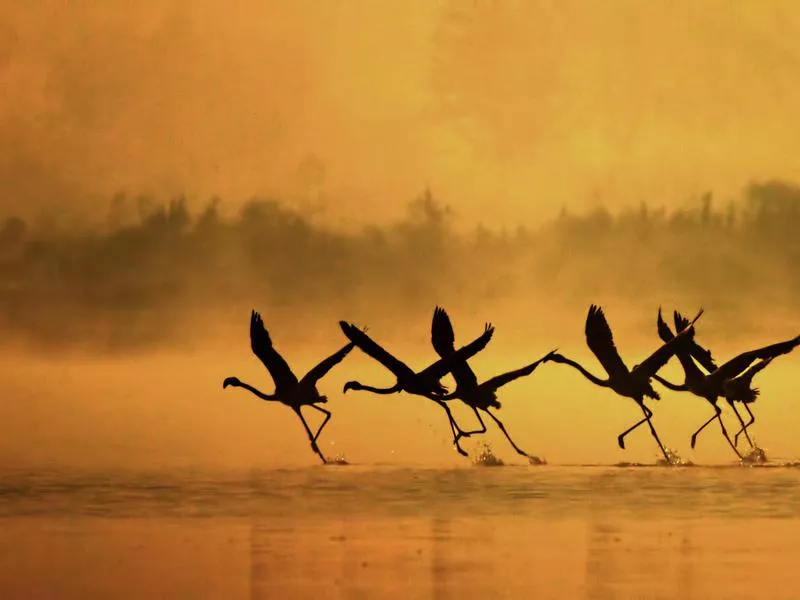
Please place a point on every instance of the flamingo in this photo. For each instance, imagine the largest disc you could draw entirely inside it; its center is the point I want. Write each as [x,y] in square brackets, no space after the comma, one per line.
[289,390]
[633,383]
[422,383]
[740,389]
[737,389]
[721,381]
[475,395]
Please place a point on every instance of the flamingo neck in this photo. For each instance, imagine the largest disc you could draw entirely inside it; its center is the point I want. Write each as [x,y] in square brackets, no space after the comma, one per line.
[256,392]
[594,379]
[375,390]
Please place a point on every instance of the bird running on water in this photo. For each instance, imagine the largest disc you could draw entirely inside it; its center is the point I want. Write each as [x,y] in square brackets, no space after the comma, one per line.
[632,383]
[475,395]
[421,383]
[289,390]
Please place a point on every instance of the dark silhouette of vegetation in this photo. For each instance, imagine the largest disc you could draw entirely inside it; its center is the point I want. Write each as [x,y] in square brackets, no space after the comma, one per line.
[151,270]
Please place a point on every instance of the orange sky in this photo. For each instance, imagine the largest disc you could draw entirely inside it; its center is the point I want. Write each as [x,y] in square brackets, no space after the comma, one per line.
[509,110]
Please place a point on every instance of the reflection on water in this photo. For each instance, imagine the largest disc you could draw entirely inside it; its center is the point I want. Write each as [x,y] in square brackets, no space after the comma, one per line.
[363,532]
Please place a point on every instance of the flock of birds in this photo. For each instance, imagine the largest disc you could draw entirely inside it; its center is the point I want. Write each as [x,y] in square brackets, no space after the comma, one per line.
[731,381]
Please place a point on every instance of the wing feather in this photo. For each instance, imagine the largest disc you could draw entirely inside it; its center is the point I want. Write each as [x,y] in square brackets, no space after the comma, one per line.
[444,365]
[262,347]
[373,349]
[601,342]
[664,332]
[318,372]
[736,365]
[443,340]
[442,336]
[500,380]
[653,363]
[699,353]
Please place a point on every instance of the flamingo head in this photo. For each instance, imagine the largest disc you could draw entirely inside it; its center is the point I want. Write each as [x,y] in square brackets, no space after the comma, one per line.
[351,385]
[231,381]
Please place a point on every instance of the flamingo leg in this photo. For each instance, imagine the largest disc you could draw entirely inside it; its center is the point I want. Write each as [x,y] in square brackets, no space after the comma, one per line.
[311,437]
[750,422]
[725,433]
[704,425]
[327,414]
[621,436]
[508,437]
[718,417]
[647,414]
[477,431]
[454,428]
[743,429]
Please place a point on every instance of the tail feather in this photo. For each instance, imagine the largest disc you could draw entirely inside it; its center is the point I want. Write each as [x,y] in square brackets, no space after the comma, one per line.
[438,388]
[749,395]
[652,393]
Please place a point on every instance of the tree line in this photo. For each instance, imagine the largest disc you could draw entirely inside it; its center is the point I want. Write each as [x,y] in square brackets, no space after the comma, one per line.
[133,281]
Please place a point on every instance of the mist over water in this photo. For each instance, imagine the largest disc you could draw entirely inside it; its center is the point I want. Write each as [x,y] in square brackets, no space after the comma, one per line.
[118,335]
[151,275]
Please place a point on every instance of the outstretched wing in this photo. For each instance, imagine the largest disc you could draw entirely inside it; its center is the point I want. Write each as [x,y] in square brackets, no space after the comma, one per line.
[747,376]
[740,388]
[371,348]
[601,342]
[499,381]
[444,365]
[736,365]
[442,336]
[653,363]
[318,372]
[261,344]
[443,340]
[664,332]
[700,354]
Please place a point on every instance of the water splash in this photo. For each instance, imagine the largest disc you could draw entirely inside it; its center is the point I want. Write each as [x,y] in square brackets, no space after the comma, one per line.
[339,459]
[675,460]
[536,460]
[486,458]
[755,456]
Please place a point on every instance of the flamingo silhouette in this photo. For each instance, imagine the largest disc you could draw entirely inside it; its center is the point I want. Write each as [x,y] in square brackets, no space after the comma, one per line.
[633,383]
[740,389]
[737,389]
[475,395]
[720,381]
[422,383]
[289,390]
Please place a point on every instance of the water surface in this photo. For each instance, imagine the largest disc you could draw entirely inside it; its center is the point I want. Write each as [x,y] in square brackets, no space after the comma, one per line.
[403,532]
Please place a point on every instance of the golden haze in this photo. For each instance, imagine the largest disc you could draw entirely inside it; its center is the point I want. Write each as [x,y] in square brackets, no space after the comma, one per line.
[509,110]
